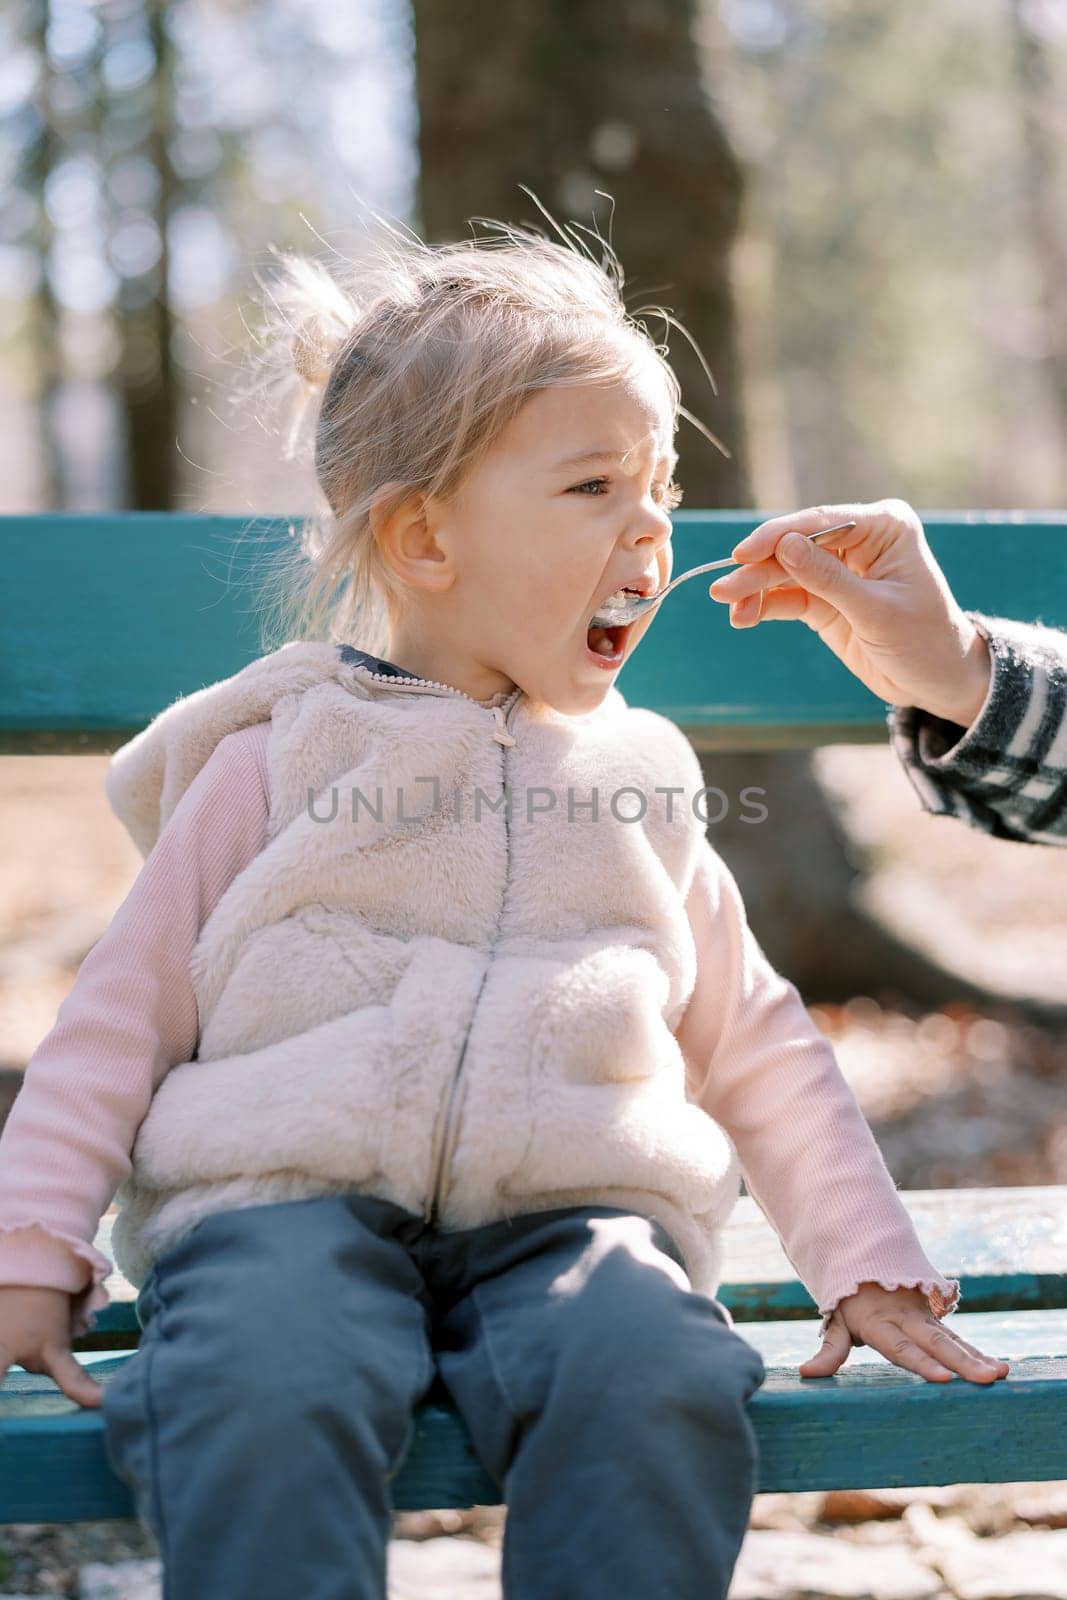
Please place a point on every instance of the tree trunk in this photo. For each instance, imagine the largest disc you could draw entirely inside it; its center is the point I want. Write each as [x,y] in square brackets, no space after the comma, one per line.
[572,97]
[146,379]
[45,311]
[1042,199]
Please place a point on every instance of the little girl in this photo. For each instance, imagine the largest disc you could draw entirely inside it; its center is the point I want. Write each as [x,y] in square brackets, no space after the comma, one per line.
[432,1037]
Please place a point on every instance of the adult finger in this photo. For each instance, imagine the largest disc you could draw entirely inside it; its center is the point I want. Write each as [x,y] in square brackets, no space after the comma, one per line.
[787,604]
[762,540]
[832,1352]
[751,578]
[823,574]
[70,1375]
[795,562]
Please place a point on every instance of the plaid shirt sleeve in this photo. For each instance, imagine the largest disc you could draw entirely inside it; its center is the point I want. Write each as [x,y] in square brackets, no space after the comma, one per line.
[1007,773]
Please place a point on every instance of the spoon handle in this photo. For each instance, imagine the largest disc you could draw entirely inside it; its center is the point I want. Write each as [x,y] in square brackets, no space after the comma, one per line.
[713,566]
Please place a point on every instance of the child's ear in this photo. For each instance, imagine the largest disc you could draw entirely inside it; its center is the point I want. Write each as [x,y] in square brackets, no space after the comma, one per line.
[390,504]
[405,531]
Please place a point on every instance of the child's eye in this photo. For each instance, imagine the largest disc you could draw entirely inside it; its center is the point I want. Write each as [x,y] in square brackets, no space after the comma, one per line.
[671,492]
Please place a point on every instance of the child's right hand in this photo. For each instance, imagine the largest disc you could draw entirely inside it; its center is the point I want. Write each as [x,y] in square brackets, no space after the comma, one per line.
[35,1332]
[882,605]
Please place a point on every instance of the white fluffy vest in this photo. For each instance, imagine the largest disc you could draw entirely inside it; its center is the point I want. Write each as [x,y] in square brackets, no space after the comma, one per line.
[411,992]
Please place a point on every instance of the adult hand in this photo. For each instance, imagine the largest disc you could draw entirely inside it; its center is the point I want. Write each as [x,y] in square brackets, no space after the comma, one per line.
[899,1324]
[35,1332]
[875,596]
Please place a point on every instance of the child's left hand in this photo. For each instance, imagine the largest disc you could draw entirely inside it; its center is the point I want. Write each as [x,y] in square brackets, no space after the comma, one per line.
[899,1324]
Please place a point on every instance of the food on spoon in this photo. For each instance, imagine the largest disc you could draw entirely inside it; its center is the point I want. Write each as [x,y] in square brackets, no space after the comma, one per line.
[621,597]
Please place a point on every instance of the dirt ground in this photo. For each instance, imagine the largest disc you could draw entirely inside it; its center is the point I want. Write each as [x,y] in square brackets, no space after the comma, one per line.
[959,1097]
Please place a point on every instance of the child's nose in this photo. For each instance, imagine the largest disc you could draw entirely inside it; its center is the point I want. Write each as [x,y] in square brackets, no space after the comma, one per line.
[655,526]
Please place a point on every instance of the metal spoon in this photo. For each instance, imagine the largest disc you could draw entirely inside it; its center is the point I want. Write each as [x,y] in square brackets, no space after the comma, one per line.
[618,615]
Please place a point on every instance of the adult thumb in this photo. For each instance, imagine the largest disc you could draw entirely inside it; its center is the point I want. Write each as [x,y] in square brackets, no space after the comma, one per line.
[821,574]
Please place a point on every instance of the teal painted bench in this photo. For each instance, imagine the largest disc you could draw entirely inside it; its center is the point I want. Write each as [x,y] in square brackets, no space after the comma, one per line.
[109,618]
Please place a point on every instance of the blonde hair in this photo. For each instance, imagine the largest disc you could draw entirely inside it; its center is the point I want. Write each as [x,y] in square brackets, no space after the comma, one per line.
[403,369]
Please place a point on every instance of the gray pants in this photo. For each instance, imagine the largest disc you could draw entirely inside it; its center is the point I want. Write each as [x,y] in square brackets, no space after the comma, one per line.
[284,1347]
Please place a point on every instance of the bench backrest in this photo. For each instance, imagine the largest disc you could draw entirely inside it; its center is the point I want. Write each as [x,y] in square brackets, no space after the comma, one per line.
[108,618]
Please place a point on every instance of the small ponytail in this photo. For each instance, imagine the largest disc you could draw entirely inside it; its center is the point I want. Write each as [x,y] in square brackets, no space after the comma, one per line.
[307,319]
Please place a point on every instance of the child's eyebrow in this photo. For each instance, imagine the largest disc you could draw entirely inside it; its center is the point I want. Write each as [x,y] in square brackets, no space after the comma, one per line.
[588,457]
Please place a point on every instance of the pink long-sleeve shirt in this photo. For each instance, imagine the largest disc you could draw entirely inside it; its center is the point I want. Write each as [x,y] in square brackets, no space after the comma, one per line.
[756,1063]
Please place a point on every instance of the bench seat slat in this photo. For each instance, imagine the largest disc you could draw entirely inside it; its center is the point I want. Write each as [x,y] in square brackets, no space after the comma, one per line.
[871,1425]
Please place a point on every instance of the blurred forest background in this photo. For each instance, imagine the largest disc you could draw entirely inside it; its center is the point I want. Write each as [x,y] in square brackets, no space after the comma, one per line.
[895,176]
[858,210]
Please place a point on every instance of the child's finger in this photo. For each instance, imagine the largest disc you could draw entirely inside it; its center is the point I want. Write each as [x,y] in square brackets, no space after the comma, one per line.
[836,1344]
[70,1375]
[946,1347]
[998,1361]
[890,1340]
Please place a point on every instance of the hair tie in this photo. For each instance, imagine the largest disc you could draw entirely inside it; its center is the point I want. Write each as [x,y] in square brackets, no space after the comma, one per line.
[311,357]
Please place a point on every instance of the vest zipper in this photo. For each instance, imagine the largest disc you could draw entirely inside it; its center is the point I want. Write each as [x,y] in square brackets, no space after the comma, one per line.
[505,740]
[440,1186]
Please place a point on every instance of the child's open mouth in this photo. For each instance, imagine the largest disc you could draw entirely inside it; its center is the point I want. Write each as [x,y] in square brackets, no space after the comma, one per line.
[607,646]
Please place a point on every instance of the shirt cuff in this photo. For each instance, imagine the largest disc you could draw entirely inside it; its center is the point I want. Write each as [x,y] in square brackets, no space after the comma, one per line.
[942,1296]
[34,1256]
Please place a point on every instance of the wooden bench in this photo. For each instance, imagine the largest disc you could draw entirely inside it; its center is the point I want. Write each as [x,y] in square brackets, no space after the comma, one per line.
[109,618]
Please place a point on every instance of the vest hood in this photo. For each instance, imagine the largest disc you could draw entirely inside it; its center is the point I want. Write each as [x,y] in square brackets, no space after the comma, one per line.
[147,776]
